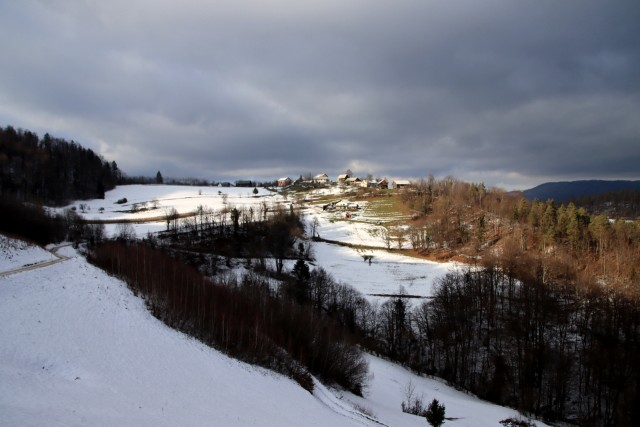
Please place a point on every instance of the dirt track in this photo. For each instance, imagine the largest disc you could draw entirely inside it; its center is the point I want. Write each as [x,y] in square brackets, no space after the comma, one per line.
[54,251]
[145,220]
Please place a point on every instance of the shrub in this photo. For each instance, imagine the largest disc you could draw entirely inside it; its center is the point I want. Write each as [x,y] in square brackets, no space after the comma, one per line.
[435,413]
[413,405]
[516,422]
[31,222]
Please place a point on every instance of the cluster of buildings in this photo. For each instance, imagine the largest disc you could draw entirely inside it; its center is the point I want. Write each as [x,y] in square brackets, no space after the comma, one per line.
[347,179]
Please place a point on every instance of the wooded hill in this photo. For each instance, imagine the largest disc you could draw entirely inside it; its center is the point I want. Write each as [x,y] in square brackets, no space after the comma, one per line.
[547,317]
[472,222]
[51,170]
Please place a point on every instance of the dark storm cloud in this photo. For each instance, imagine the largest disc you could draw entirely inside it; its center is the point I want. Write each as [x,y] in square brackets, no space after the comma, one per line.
[507,92]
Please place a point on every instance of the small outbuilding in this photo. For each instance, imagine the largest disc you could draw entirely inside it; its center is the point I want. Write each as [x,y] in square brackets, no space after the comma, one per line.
[343,178]
[353,181]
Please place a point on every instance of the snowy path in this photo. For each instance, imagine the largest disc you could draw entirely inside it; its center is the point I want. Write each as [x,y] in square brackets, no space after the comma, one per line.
[341,407]
[40,264]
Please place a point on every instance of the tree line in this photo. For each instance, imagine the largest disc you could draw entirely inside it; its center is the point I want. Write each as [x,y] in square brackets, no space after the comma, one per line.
[617,204]
[254,234]
[545,347]
[34,223]
[51,170]
[556,348]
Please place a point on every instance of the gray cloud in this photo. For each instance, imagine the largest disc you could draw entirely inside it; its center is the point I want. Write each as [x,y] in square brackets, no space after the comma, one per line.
[510,93]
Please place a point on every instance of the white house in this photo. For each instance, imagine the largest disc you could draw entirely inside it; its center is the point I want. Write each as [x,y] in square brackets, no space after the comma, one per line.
[322,178]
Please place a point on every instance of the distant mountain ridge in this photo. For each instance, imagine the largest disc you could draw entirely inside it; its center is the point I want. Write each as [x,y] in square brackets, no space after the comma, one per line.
[566,190]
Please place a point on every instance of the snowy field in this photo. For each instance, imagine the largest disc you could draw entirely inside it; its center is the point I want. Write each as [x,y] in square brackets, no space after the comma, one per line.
[149,204]
[386,273]
[78,348]
[334,226]
[151,201]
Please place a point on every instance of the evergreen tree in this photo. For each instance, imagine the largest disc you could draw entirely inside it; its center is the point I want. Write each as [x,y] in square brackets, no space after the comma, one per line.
[435,413]
[301,289]
[159,179]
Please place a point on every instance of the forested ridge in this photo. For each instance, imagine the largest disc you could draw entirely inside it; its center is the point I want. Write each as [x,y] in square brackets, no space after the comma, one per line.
[568,191]
[467,220]
[51,170]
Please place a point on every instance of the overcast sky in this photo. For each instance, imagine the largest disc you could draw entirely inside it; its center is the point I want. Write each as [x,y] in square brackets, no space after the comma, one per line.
[510,93]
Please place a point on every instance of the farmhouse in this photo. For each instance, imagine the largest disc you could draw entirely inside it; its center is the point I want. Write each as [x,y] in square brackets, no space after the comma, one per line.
[244,183]
[400,184]
[322,178]
[283,182]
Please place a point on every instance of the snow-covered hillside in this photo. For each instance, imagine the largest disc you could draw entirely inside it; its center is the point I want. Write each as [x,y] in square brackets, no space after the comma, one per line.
[78,348]
[386,273]
[16,254]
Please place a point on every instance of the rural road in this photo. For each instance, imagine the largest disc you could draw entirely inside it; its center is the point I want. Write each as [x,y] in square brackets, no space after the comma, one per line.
[54,252]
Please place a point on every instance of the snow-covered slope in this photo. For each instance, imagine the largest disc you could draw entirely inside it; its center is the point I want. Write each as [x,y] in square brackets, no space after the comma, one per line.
[78,348]
[384,275]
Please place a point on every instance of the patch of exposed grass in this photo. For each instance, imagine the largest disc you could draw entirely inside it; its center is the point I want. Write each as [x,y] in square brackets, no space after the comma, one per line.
[387,207]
